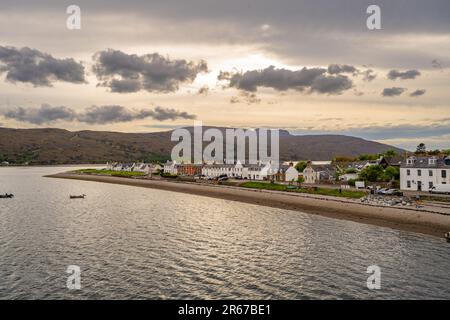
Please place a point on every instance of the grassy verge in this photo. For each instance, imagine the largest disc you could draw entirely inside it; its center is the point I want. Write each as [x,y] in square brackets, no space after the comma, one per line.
[126,174]
[320,191]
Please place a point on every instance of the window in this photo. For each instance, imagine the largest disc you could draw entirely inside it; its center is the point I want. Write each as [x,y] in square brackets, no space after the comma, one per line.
[430,173]
[408,184]
[444,174]
[408,172]
[430,185]
[419,173]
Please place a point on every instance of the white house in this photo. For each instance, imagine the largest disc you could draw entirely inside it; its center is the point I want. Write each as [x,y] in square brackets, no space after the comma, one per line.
[291,174]
[420,173]
[348,176]
[319,173]
[218,169]
[171,167]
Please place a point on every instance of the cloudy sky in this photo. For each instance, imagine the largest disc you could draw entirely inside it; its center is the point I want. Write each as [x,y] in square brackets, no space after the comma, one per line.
[309,66]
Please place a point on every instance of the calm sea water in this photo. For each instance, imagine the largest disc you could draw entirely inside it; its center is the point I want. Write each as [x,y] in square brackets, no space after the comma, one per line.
[134,243]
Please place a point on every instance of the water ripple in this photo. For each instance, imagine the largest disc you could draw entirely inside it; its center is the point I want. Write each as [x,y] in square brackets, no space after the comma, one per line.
[135,243]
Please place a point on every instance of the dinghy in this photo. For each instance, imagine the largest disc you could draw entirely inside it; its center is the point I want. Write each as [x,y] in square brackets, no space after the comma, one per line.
[78,197]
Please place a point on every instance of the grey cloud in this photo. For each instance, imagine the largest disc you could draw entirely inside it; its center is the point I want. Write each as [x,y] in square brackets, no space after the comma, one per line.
[341,68]
[435,63]
[44,114]
[203,90]
[312,79]
[248,97]
[418,92]
[91,115]
[170,114]
[123,72]
[326,30]
[410,74]
[331,85]
[234,100]
[123,86]
[375,132]
[392,92]
[368,75]
[38,68]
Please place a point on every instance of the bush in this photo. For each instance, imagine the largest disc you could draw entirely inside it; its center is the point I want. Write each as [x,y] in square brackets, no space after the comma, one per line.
[371,173]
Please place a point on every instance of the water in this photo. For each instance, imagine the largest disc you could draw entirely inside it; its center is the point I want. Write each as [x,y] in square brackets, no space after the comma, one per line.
[134,243]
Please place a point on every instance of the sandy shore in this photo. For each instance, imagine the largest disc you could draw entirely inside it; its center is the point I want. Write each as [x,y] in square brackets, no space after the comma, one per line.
[408,219]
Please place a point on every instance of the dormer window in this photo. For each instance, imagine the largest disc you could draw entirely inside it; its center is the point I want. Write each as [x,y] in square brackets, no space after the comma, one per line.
[432,161]
[410,161]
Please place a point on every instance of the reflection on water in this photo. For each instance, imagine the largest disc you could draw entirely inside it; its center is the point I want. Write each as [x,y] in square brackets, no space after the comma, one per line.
[143,243]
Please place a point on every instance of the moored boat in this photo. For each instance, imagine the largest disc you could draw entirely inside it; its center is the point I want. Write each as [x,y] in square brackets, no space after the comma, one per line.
[78,197]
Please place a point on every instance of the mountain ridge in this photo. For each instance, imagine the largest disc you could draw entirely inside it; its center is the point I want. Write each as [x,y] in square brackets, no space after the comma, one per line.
[61,146]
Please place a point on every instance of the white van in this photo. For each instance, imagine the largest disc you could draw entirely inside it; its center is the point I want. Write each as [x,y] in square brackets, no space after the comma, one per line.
[440,188]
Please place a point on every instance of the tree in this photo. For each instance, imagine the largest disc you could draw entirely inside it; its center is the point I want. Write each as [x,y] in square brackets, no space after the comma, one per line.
[300,180]
[391,173]
[390,153]
[371,173]
[343,159]
[434,152]
[421,148]
[300,166]
[368,157]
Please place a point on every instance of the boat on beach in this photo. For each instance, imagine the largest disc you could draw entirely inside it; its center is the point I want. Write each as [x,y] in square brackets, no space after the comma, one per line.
[78,197]
[6,196]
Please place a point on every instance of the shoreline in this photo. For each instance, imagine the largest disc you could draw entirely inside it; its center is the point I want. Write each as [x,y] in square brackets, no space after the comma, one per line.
[399,218]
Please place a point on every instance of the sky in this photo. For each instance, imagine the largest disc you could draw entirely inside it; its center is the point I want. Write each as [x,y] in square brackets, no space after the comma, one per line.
[308,66]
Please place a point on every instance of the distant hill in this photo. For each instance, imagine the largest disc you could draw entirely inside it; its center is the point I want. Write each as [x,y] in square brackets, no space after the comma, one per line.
[59,146]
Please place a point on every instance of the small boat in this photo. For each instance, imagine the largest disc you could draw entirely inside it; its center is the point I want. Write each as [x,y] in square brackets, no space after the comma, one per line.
[78,197]
[6,196]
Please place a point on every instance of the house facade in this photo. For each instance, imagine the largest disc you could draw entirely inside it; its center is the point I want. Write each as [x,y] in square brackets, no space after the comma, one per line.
[215,170]
[286,173]
[189,169]
[133,167]
[170,167]
[420,173]
[319,173]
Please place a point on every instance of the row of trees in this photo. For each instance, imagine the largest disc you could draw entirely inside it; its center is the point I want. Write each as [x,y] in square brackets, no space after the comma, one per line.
[377,173]
[421,149]
[366,156]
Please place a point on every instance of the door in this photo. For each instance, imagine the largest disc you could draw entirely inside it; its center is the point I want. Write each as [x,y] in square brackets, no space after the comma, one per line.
[419,185]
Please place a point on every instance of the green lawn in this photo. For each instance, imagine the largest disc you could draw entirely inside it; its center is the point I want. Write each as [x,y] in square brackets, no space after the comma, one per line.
[126,174]
[321,191]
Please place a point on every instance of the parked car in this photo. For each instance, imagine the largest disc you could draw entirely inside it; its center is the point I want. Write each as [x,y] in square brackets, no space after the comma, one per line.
[393,192]
[222,178]
[381,191]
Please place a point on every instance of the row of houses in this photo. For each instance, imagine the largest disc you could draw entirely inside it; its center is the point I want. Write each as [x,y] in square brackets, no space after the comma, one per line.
[417,173]
[316,172]
[134,167]
[259,171]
